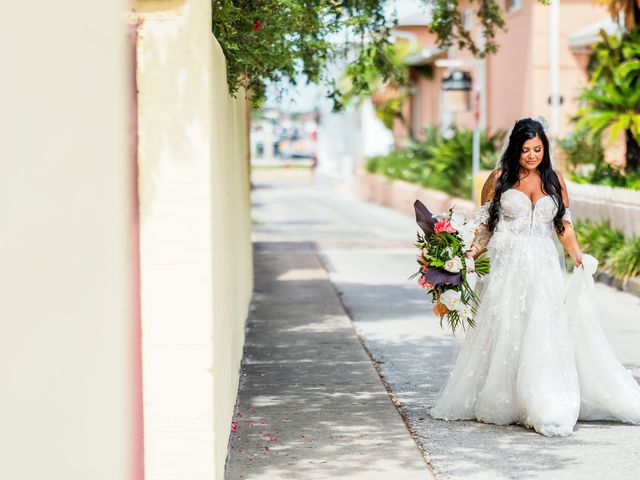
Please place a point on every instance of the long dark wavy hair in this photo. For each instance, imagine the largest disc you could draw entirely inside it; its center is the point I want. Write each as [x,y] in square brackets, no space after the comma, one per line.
[523,130]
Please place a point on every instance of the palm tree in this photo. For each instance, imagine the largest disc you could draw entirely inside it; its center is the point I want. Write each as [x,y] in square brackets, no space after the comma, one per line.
[612,99]
[630,9]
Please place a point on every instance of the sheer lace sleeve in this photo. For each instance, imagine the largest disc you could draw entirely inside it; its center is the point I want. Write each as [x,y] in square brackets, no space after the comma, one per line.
[567,216]
[482,233]
[482,215]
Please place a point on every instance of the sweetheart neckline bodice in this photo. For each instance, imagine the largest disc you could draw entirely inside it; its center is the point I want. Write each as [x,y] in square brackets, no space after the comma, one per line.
[523,216]
[531,202]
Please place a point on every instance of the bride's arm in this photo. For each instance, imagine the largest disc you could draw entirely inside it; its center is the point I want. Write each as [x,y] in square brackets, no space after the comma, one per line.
[482,233]
[568,238]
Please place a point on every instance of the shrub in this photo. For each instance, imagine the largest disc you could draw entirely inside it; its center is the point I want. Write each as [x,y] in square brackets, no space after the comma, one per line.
[449,166]
[437,162]
[400,164]
[618,256]
[625,262]
[586,164]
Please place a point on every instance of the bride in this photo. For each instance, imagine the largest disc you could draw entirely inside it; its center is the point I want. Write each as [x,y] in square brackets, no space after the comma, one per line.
[537,356]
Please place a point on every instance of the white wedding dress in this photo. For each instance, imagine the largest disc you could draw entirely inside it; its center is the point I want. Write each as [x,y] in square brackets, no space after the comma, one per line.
[537,355]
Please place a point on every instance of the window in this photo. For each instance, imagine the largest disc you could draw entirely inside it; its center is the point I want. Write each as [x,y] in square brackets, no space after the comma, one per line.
[513,5]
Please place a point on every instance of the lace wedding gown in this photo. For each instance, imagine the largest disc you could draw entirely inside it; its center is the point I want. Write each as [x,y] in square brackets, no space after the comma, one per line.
[537,355]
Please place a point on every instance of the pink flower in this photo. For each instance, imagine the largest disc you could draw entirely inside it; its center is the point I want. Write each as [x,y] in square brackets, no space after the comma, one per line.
[444,225]
[424,284]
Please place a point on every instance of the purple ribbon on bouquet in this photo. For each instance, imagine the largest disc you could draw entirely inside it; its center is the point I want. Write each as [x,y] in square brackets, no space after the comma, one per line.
[426,222]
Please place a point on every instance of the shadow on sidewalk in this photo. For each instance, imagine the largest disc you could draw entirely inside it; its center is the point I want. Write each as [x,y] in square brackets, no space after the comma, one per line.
[310,404]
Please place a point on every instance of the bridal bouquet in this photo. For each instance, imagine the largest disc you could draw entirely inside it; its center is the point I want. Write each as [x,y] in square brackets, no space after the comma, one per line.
[443,266]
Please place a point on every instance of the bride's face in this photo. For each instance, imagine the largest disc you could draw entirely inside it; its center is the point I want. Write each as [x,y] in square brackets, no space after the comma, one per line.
[531,153]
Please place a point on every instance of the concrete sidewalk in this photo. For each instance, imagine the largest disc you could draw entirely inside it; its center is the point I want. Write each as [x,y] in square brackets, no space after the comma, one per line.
[368,253]
[310,404]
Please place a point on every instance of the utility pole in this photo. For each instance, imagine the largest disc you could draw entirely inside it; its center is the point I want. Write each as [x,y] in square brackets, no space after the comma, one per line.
[479,99]
[555,76]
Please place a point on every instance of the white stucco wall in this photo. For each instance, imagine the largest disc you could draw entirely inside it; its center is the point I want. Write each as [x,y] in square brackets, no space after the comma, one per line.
[196,256]
[66,201]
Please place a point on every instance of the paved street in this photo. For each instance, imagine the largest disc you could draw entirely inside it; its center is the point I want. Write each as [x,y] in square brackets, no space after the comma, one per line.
[368,254]
[311,405]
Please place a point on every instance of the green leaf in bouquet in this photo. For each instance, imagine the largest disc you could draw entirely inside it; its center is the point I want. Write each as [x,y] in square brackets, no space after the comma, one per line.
[482,265]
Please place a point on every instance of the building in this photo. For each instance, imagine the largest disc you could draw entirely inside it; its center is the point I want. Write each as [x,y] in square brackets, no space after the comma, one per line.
[517,77]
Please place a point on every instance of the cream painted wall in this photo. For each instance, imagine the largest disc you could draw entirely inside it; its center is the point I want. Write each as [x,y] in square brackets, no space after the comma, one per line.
[232,248]
[196,255]
[66,195]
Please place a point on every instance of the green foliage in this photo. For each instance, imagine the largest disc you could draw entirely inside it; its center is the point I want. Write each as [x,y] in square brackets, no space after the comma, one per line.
[448,25]
[400,164]
[599,239]
[581,149]
[605,174]
[612,98]
[268,41]
[451,158]
[618,256]
[625,262]
[273,40]
[437,162]
[363,77]
[388,111]
[586,163]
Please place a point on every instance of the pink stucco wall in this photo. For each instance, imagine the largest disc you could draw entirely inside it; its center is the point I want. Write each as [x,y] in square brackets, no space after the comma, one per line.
[510,76]
[518,76]
[574,15]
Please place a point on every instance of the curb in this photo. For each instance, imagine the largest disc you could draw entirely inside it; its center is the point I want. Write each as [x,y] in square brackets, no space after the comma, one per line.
[631,286]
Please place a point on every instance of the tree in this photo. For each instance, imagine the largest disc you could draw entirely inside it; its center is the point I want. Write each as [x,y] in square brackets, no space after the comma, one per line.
[361,81]
[612,98]
[629,8]
[267,41]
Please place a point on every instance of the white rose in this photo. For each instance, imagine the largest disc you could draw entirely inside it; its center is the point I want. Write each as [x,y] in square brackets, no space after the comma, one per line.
[454,265]
[451,299]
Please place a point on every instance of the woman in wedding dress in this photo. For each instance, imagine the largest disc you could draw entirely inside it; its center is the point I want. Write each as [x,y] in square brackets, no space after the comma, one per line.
[537,356]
